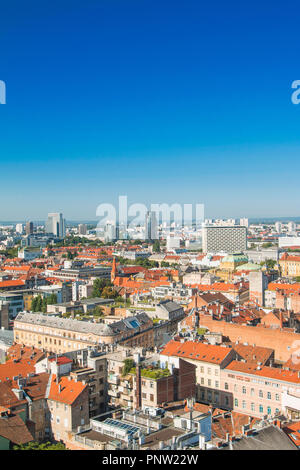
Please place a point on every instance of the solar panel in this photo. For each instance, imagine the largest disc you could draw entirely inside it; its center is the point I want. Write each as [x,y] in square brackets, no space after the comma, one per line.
[118,424]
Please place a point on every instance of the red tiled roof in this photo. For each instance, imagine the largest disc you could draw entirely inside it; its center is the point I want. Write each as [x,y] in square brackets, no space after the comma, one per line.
[70,390]
[14,283]
[196,351]
[264,371]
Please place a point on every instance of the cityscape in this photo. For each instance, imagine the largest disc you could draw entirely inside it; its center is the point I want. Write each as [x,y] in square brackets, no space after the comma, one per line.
[149,229]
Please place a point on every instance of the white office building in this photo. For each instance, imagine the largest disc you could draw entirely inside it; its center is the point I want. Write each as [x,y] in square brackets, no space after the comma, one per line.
[56,224]
[229,239]
[19,228]
[173,243]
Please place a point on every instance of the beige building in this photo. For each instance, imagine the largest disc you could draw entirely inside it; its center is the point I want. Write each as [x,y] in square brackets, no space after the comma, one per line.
[209,361]
[95,376]
[60,335]
[68,406]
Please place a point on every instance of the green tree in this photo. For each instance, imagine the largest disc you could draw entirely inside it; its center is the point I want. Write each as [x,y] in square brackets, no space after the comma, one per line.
[156,246]
[109,293]
[40,446]
[99,285]
[128,365]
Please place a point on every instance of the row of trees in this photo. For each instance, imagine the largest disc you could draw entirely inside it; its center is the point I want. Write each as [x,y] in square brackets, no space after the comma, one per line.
[144,262]
[40,446]
[39,304]
[104,288]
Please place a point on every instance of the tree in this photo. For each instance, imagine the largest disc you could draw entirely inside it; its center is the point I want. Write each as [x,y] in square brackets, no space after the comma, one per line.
[156,246]
[40,446]
[128,365]
[99,285]
[37,304]
[269,263]
[109,293]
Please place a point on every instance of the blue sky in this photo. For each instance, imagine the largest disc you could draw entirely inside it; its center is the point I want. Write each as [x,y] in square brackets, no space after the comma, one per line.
[162,101]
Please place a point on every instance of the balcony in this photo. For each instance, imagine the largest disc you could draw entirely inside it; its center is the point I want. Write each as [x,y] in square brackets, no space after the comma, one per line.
[113,379]
[290,401]
[114,393]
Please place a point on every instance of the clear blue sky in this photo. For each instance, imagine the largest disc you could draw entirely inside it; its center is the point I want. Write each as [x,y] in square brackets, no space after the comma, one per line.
[164,101]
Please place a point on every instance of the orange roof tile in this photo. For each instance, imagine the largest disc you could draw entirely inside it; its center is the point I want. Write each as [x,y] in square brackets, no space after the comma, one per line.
[197,351]
[69,390]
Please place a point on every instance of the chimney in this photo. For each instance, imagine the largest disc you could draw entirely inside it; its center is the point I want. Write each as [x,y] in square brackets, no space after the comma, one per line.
[138,395]
[281,319]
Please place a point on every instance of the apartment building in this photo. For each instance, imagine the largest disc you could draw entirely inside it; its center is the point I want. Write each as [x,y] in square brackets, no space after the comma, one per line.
[261,390]
[95,376]
[209,361]
[59,335]
[149,382]
[68,402]
[290,265]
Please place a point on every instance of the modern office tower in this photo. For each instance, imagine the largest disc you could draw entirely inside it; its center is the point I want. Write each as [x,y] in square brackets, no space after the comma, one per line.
[231,239]
[244,222]
[278,227]
[151,232]
[82,229]
[291,227]
[111,232]
[19,228]
[56,224]
[29,228]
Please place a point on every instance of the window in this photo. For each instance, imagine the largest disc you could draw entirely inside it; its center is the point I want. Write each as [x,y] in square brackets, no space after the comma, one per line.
[261,395]
[261,409]
[252,406]
[277,397]
[217,384]
[269,410]
[252,392]
[202,381]
[209,370]
[209,382]
[236,402]
[244,390]
[269,395]
[226,386]
[244,404]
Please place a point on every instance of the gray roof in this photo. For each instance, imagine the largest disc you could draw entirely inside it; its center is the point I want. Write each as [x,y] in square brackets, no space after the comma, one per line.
[6,337]
[268,438]
[169,305]
[101,329]
[64,323]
